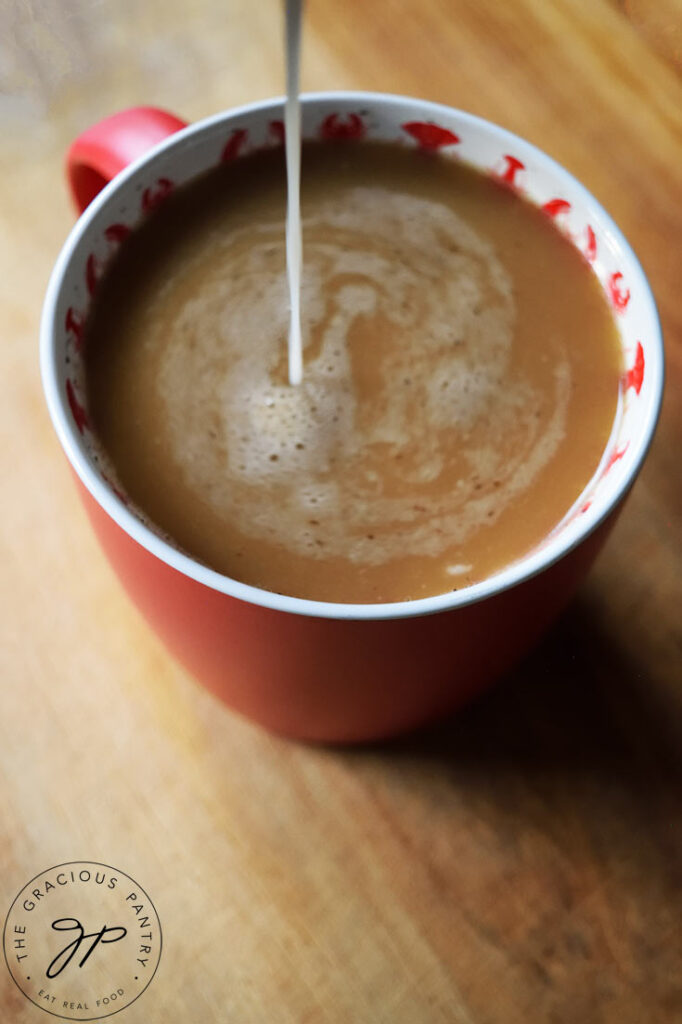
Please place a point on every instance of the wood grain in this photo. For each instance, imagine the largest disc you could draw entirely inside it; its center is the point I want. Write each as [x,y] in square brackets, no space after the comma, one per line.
[520,863]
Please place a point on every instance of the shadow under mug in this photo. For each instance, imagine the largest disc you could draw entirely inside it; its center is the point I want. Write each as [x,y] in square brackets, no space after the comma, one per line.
[308,669]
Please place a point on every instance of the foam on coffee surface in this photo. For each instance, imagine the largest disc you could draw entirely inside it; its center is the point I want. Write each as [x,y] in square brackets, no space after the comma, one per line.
[459,389]
[369,458]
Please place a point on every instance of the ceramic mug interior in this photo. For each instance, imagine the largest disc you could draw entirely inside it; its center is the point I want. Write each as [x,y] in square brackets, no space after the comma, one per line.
[350,118]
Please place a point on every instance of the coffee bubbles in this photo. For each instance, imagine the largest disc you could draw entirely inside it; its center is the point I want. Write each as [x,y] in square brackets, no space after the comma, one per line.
[460,381]
[370,440]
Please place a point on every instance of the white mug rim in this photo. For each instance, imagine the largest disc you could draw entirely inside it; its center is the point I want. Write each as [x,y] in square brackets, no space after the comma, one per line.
[523,569]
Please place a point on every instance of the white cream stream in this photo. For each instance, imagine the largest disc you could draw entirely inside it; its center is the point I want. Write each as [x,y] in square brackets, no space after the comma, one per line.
[292,135]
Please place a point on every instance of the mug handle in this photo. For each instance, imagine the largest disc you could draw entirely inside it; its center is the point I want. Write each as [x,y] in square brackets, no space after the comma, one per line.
[103,150]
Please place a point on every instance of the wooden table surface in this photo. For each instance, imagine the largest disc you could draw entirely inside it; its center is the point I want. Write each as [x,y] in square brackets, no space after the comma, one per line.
[522,863]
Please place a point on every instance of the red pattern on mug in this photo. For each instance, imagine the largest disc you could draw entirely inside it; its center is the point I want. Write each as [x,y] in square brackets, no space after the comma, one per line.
[586,506]
[619,296]
[276,129]
[74,323]
[513,166]
[155,194]
[77,411]
[635,375]
[119,494]
[556,206]
[430,135]
[116,233]
[615,456]
[234,145]
[591,247]
[333,127]
[93,269]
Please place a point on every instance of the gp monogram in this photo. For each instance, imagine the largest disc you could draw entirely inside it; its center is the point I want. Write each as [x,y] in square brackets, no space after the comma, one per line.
[82,940]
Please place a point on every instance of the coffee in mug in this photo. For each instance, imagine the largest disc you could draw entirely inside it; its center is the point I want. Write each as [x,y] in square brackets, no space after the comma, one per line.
[460,386]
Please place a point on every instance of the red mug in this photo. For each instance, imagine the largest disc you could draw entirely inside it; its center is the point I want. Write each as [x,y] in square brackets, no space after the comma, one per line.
[309,669]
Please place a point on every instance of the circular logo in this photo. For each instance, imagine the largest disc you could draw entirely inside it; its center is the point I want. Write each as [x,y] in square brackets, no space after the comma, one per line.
[82,940]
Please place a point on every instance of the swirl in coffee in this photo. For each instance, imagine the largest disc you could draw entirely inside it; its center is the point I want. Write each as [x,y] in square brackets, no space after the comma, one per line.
[461,374]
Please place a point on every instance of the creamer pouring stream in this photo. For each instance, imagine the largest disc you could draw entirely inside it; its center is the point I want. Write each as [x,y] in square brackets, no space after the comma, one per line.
[292,136]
